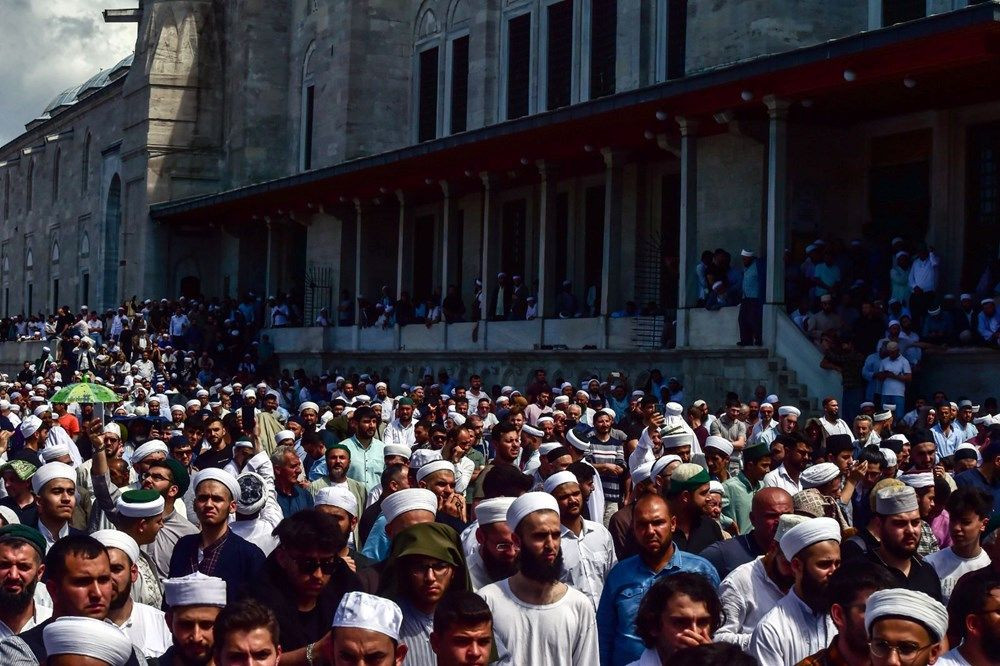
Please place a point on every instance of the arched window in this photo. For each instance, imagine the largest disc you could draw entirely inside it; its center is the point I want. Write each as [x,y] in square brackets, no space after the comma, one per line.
[29,186]
[308,104]
[85,245]
[29,260]
[85,167]
[427,65]
[55,174]
[6,265]
[456,72]
[55,252]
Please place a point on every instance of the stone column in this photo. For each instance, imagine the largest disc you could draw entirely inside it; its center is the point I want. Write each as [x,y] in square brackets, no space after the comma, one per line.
[610,262]
[267,263]
[687,283]
[546,242]
[399,257]
[357,275]
[777,209]
[487,205]
[445,230]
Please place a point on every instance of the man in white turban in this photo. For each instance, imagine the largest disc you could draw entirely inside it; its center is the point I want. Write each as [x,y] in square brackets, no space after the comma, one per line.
[905,626]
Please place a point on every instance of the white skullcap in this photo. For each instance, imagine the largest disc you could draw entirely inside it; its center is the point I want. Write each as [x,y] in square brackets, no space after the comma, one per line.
[878,417]
[308,405]
[548,447]
[699,403]
[382,385]
[87,637]
[909,605]
[892,501]
[529,503]
[9,516]
[812,531]
[176,408]
[139,509]
[338,496]
[408,499]
[282,435]
[890,457]
[358,610]
[576,442]
[675,441]
[720,443]
[494,510]
[397,450]
[113,538]
[533,432]
[192,403]
[544,418]
[899,437]
[817,475]
[788,409]
[773,399]
[195,589]
[747,253]
[421,457]
[642,473]
[30,425]
[202,393]
[559,478]
[113,429]
[673,409]
[716,487]
[918,480]
[661,463]
[148,449]
[766,404]
[786,522]
[41,409]
[222,476]
[49,472]
[50,453]
[607,411]
[434,466]
[560,400]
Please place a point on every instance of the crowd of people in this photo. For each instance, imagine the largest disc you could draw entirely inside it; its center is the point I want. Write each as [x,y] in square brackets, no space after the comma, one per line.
[222,512]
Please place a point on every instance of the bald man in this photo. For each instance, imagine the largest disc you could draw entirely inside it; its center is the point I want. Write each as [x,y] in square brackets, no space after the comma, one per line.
[765,510]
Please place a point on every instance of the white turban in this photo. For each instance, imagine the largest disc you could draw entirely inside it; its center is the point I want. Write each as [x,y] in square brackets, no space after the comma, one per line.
[560,400]
[222,476]
[113,429]
[642,473]
[30,425]
[661,463]
[720,443]
[87,637]
[610,413]
[50,472]
[117,539]
[576,442]
[282,435]
[788,409]
[192,403]
[148,449]
[139,509]
[808,533]
[435,466]
[41,409]
[544,419]
[195,589]
[548,447]
[559,478]
[890,457]
[308,405]
[458,419]
[673,409]
[408,499]
[818,475]
[918,480]
[50,453]
[909,605]
[253,493]
[358,610]
[494,510]
[177,408]
[675,441]
[529,503]
[531,431]
[397,450]
[342,498]
[421,457]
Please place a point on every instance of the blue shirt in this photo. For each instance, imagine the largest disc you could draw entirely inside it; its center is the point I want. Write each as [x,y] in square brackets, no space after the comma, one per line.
[946,444]
[974,478]
[751,281]
[377,545]
[624,589]
[299,500]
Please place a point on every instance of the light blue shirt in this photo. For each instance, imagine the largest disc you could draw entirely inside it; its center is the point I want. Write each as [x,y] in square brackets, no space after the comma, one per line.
[751,281]
[624,589]
[377,544]
[946,444]
[366,463]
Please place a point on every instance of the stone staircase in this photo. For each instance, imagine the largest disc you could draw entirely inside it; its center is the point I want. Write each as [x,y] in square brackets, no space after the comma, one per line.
[788,389]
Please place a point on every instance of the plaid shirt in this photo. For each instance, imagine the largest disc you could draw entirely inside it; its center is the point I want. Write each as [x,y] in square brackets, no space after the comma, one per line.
[209,557]
[928,542]
[829,656]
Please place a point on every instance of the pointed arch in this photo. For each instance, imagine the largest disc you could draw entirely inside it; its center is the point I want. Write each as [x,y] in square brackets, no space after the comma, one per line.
[29,260]
[85,244]
[54,255]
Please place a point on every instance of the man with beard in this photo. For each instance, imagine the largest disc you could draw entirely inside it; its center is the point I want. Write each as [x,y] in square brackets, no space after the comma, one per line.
[831,421]
[400,430]
[144,625]
[21,568]
[629,580]
[588,543]
[976,618]
[246,633]
[693,530]
[507,448]
[193,604]
[799,625]
[798,455]
[848,594]
[219,451]
[541,620]
[607,455]
[395,477]
[496,556]
[170,479]
[905,626]
[338,462]
[897,526]
[367,452]
[742,488]
[768,506]
[754,588]
[620,525]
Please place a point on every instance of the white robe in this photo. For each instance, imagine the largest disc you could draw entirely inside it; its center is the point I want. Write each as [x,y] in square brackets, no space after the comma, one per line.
[790,632]
[148,631]
[747,594]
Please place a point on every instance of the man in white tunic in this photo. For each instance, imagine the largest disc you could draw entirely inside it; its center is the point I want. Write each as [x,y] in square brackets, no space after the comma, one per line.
[494,556]
[751,590]
[144,625]
[541,620]
[800,625]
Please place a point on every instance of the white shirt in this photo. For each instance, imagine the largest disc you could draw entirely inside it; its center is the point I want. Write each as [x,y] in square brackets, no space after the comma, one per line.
[589,558]
[563,633]
[649,657]
[147,629]
[41,614]
[49,538]
[952,658]
[950,567]
[779,478]
[899,366]
[179,325]
[790,632]
[474,399]
[747,594]
[840,427]
[397,433]
[256,531]
[478,575]
[924,272]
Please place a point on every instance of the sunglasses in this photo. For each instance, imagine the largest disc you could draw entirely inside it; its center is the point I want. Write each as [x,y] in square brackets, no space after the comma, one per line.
[308,565]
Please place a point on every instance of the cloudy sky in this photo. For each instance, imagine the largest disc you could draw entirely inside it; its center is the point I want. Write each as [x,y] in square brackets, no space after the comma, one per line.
[47,46]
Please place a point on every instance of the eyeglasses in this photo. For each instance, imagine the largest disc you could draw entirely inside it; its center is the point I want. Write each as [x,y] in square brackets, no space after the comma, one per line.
[906,651]
[507,547]
[308,565]
[154,477]
[437,566]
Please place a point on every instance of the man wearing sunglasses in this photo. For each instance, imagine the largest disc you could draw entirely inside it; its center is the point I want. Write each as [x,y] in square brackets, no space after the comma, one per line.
[303,582]
[905,627]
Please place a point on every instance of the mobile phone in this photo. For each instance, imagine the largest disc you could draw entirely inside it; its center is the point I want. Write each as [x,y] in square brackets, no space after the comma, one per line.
[249,420]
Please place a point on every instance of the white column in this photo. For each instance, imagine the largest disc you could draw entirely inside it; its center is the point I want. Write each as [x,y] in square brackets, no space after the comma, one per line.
[487,205]
[610,264]
[399,256]
[687,283]
[357,275]
[777,181]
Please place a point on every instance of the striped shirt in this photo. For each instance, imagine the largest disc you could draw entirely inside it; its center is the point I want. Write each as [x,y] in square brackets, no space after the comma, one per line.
[608,453]
[415,632]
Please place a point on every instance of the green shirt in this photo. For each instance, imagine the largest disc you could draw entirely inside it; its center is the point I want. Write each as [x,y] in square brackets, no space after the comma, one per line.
[740,492]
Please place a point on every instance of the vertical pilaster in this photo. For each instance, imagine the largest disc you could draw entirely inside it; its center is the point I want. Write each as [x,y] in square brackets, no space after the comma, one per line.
[357,274]
[777,210]
[487,210]
[687,283]
[610,261]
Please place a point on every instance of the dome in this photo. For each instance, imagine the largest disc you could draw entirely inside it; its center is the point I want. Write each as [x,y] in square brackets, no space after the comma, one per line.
[71,96]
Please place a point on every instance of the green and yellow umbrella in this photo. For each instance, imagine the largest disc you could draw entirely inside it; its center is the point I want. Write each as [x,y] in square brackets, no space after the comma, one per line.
[86,392]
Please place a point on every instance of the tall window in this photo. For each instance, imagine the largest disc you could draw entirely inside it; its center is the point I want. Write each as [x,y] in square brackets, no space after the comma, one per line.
[307,111]
[671,38]
[559,54]
[85,167]
[427,95]
[518,66]
[29,260]
[899,11]
[459,101]
[29,186]
[6,196]
[603,45]
[55,174]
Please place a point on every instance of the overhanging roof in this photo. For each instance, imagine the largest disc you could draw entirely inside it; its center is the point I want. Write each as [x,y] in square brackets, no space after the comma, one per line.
[951,58]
